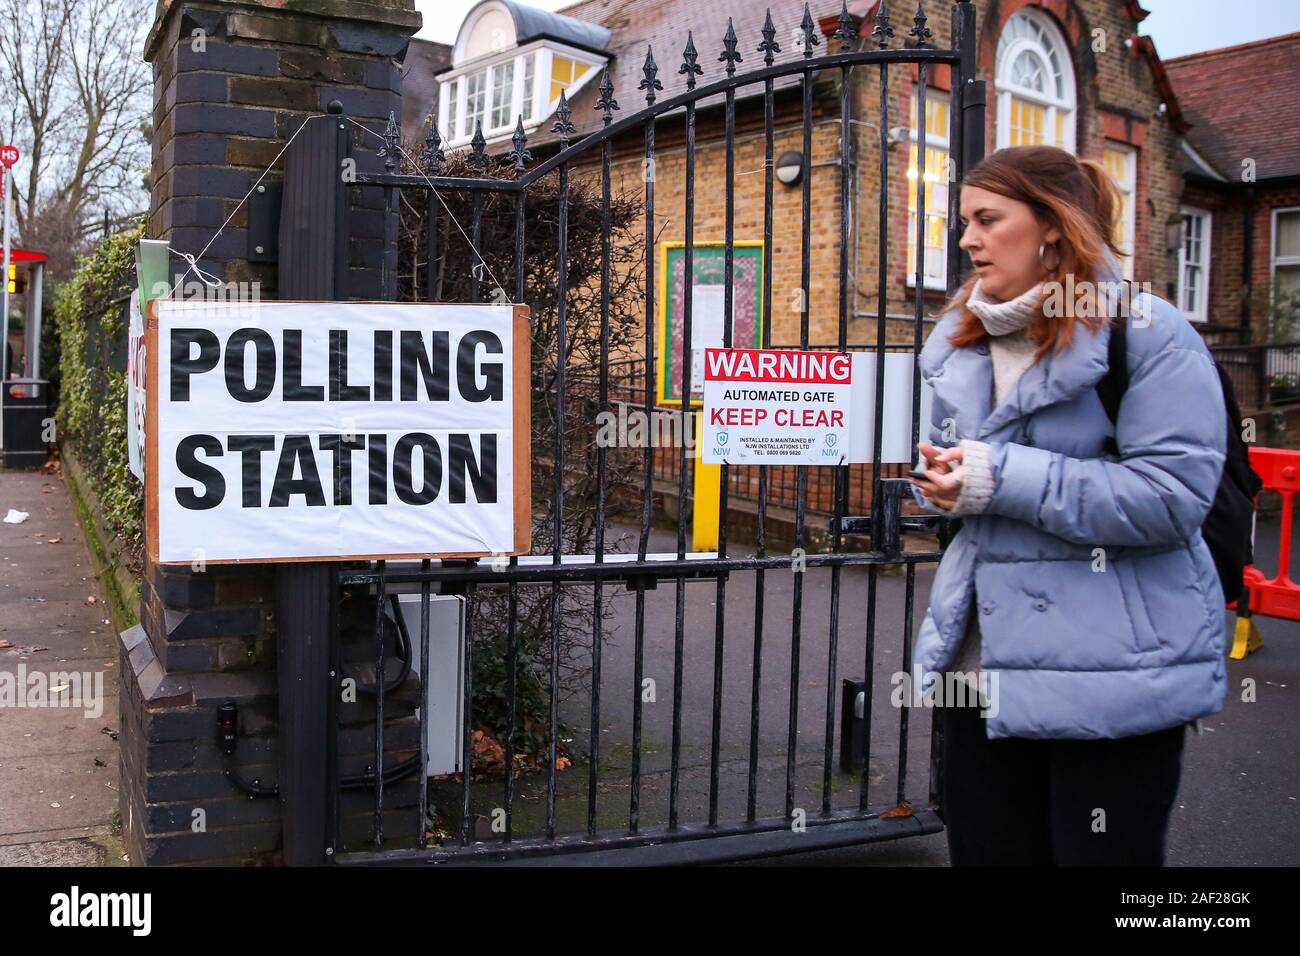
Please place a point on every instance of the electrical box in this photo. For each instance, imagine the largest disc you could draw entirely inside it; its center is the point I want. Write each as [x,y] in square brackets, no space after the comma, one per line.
[445,702]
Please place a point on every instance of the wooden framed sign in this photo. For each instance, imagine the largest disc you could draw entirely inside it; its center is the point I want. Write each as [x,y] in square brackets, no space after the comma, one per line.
[707,289]
[313,431]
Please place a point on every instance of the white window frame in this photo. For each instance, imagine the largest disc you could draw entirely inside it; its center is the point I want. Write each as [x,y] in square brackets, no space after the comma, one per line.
[466,120]
[1201,314]
[1274,260]
[528,101]
[449,107]
[937,142]
[1129,188]
[511,104]
[1065,104]
[542,52]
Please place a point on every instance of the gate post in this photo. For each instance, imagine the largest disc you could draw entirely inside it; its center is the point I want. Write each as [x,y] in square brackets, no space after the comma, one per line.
[313,265]
[233,80]
[967,124]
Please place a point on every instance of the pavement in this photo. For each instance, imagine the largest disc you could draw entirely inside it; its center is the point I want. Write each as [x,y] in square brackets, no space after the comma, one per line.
[58,764]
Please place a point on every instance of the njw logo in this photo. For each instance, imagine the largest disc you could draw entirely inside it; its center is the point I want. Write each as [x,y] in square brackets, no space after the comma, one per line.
[102,909]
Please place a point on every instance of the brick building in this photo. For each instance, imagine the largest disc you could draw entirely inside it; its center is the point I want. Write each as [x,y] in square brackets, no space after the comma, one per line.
[1069,72]
[1241,259]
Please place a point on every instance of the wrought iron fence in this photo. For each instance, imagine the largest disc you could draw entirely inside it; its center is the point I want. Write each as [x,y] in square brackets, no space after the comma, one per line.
[1262,375]
[730,822]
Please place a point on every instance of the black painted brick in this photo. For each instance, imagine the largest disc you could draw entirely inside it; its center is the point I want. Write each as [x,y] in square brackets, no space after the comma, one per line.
[231,120]
[285,94]
[236,622]
[195,148]
[361,104]
[238,58]
[230,843]
[197,88]
[183,588]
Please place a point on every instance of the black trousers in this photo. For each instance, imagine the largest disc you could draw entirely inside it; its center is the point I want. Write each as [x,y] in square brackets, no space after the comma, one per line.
[1028,802]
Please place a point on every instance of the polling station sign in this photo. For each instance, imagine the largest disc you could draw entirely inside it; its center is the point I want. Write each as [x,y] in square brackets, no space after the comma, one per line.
[283,431]
[791,407]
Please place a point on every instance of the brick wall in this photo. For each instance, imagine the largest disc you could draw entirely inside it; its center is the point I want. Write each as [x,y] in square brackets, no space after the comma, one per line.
[1270,199]
[1117,99]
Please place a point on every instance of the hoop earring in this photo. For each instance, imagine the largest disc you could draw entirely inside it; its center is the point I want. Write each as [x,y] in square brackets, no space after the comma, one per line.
[1042,248]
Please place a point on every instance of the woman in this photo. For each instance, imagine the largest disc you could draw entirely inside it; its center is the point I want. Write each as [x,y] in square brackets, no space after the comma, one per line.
[1079,586]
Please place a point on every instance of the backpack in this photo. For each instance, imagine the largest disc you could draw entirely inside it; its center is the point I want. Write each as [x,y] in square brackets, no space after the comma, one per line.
[1229,527]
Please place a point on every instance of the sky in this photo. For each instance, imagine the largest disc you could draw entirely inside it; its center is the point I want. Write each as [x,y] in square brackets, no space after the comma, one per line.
[1178,26]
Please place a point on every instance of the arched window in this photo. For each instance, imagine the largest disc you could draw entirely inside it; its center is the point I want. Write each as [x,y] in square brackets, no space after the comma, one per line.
[1035,83]
[502,72]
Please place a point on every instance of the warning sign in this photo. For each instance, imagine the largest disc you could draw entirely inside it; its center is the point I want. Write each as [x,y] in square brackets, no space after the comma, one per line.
[769,407]
[775,407]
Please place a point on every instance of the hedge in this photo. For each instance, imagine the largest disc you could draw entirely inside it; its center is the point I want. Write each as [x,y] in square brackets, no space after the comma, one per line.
[91,316]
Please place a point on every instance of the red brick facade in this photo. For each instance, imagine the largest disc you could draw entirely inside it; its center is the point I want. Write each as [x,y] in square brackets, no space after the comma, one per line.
[1119,98]
[1245,117]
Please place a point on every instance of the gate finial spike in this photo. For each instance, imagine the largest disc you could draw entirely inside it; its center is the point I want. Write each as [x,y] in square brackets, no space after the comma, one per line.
[846,34]
[882,30]
[520,153]
[433,155]
[729,52]
[769,47]
[809,28]
[607,101]
[392,142]
[651,81]
[478,147]
[562,125]
[922,32]
[690,67]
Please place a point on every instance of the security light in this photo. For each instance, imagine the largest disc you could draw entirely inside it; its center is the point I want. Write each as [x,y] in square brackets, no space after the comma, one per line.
[789,168]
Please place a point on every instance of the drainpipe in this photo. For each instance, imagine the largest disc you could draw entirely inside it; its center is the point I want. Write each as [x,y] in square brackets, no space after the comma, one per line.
[1248,265]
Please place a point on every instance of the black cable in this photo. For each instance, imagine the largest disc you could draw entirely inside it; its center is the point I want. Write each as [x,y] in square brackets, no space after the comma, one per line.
[403,654]
[254,789]
[391,775]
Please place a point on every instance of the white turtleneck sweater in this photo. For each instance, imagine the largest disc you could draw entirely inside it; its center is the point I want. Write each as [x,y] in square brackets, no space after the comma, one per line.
[1012,352]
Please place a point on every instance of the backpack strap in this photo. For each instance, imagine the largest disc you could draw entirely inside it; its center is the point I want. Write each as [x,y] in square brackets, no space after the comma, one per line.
[1113,385]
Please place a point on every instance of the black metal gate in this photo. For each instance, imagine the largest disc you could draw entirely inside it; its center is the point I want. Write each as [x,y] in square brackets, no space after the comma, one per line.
[377,806]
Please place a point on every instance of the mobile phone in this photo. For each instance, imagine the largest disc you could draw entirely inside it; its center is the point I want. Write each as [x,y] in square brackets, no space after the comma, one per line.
[919,469]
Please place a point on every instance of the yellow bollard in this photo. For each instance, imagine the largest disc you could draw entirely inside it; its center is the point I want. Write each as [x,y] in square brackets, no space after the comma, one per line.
[1246,639]
[708,495]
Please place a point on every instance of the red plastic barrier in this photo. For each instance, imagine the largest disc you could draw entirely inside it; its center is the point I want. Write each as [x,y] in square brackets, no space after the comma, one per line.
[1280,596]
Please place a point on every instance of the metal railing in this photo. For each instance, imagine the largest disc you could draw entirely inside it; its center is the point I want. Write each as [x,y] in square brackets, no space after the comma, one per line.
[1262,375]
[601,578]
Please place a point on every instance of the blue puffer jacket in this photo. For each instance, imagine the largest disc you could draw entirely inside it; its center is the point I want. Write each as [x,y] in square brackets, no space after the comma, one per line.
[1082,653]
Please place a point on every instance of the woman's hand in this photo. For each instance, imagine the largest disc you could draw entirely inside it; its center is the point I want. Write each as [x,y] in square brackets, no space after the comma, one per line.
[943,480]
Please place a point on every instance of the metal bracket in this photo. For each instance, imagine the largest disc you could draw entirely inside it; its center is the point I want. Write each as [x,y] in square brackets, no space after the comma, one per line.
[264,223]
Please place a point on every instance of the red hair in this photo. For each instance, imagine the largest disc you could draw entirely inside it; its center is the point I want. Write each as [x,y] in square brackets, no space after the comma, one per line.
[1078,198]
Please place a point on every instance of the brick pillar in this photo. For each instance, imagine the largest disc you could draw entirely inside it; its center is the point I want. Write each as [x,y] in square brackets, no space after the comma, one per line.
[232,81]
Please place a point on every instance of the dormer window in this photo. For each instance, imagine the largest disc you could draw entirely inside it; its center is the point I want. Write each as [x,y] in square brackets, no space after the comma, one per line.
[511,61]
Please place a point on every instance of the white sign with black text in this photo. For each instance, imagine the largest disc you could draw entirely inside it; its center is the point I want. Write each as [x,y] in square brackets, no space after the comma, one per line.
[323,430]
